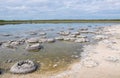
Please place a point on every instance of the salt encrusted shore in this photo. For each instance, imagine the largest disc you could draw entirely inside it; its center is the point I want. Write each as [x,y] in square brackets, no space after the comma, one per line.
[99,60]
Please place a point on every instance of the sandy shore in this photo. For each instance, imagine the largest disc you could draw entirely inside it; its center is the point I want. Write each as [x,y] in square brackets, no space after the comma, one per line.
[101,60]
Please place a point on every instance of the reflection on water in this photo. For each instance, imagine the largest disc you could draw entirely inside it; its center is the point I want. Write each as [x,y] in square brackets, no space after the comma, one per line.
[53,56]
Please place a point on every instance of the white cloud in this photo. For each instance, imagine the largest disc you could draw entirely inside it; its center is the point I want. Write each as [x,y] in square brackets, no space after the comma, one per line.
[54,7]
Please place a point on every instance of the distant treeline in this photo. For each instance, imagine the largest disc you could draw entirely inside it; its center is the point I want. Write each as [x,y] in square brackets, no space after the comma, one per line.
[2,22]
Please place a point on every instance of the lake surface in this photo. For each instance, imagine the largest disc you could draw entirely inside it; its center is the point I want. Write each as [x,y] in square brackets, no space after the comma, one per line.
[54,56]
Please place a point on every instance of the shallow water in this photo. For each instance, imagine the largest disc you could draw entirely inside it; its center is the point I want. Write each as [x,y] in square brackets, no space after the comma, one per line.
[53,56]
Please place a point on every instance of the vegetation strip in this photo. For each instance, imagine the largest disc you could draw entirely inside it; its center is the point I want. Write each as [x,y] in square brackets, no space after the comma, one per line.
[3,22]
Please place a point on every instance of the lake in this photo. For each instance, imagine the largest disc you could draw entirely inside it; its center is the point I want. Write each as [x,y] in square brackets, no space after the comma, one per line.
[53,56]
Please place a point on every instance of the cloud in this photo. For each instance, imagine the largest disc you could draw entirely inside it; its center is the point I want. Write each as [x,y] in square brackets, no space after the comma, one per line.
[29,9]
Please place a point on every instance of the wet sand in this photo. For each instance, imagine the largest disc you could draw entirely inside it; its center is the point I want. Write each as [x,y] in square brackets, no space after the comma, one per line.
[99,60]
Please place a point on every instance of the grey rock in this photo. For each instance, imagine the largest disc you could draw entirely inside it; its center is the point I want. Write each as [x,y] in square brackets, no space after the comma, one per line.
[50,40]
[59,38]
[42,40]
[83,29]
[81,36]
[72,35]
[76,33]
[32,40]
[9,61]
[34,47]
[100,37]
[81,40]
[8,45]
[72,39]
[70,28]
[15,43]
[23,67]
[42,33]
[66,39]
[33,33]
[64,33]
[6,34]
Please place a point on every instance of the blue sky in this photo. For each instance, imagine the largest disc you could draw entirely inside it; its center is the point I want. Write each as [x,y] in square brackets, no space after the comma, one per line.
[59,9]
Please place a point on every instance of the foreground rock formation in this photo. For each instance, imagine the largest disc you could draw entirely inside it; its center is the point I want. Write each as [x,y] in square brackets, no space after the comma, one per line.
[23,67]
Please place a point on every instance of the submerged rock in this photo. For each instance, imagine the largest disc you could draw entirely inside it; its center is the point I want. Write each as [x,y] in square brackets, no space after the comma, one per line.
[76,33]
[15,43]
[32,40]
[6,34]
[33,33]
[66,39]
[72,39]
[59,38]
[81,36]
[64,33]
[8,45]
[70,28]
[50,40]
[42,33]
[100,37]
[72,35]
[42,40]
[83,29]
[81,40]
[34,47]
[23,67]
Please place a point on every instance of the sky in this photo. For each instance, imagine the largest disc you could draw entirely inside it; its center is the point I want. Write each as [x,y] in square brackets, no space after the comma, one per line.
[59,9]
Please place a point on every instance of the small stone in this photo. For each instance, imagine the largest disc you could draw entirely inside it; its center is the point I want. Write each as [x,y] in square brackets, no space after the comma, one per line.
[70,28]
[112,59]
[81,40]
[83,29]
[100,37]
[55,65]
[89,63]
[9,61]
